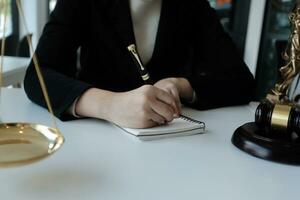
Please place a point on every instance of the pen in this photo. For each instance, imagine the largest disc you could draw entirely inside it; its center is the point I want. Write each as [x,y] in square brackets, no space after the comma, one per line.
[147,79]
[138,63]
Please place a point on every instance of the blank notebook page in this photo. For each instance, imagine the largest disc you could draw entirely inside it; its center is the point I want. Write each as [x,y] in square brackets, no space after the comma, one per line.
[177,127]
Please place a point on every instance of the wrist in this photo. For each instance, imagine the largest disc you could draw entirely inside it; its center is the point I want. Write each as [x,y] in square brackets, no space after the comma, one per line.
[185,89]
[95,103]
[111,107]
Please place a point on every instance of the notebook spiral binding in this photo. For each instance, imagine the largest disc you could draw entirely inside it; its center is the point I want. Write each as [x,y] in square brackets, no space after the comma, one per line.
[186,118]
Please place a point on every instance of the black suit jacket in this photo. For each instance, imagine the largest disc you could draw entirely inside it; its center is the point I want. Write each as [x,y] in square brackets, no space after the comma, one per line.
[190,43]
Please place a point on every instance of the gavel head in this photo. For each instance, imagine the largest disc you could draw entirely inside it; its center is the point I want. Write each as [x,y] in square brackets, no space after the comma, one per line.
[280,120]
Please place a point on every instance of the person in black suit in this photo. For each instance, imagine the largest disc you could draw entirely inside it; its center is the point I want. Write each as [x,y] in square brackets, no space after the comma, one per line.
[182,44]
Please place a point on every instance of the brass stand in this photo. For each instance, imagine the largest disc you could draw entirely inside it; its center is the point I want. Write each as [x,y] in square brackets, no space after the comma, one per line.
[25,143]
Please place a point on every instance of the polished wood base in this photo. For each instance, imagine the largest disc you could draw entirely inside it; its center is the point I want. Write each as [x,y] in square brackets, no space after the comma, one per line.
[263,144]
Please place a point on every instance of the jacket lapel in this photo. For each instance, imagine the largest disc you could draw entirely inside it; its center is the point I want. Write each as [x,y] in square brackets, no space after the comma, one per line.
[166,31]
[120,17]
[118,13]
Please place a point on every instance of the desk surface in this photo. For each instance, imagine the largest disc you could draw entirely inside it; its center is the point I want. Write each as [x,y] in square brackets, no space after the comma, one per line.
[14,69]
[14,63]
[99,161]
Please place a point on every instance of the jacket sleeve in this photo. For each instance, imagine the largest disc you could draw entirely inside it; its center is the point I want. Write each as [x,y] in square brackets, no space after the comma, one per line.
[217,73]
[57,53]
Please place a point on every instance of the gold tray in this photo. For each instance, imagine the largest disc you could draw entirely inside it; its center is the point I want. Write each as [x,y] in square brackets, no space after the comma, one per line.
[23,143]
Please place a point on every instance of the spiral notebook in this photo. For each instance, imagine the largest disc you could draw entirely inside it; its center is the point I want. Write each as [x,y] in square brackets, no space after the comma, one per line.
[182,126]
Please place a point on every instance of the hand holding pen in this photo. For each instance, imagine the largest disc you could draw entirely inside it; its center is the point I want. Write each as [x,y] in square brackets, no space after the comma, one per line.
[147,79]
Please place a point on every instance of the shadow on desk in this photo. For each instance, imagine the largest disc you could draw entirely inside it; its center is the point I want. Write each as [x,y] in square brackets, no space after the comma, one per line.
[59,179]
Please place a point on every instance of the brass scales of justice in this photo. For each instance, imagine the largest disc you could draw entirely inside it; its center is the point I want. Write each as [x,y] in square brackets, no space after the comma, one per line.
[275,134]
[26,143]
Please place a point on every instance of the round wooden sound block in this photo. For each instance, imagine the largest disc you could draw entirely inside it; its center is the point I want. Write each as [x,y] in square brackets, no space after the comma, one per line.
[263,144]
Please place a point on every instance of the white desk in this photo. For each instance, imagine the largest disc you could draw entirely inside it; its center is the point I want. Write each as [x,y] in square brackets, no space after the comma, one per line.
[14,70]
[99,161]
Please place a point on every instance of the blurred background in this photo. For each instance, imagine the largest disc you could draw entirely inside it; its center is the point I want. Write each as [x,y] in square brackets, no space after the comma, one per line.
[259,28]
